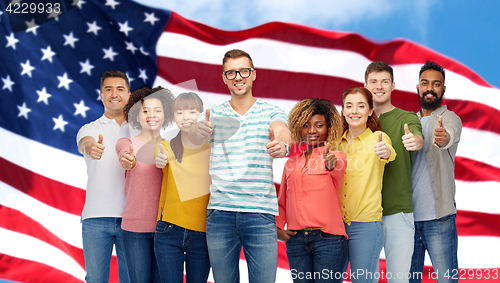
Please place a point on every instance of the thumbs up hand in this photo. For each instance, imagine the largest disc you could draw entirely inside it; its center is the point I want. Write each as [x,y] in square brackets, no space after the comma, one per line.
[275,148]
[201,131]
[409,140]
[441,137]
[128,159]
[329,157]
[381,149]
[97,148]
[161,158]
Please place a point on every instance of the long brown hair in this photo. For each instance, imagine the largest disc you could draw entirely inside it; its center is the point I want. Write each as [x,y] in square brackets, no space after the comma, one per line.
[373,122]
[184,101]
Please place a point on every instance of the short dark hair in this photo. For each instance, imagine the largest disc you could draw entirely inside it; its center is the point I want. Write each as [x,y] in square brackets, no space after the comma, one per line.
[378,66]
[114,74]
[134,104]
[429,65]
[235,53]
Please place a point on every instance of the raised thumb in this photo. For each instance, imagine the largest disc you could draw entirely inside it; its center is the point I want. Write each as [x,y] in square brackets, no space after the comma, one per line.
[100,138]
[207,114]
[327,147]
[406,129]
[440,120]
[131,149]
[271,134]
[380,137]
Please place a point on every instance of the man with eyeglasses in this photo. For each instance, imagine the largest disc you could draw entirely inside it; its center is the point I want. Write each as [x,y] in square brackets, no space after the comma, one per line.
[243,203]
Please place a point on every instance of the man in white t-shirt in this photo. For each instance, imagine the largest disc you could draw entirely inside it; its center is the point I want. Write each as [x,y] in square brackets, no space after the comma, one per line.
[105,197]
[245,135]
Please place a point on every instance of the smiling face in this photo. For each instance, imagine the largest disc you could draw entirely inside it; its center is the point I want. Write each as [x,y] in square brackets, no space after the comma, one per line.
[151,115]
[356,110]
[114,96]
[431,89]
[315,130]
[185,118]
[239,86]
[380,85]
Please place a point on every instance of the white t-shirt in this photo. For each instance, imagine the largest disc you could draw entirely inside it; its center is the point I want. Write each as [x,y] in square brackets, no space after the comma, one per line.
[105,195]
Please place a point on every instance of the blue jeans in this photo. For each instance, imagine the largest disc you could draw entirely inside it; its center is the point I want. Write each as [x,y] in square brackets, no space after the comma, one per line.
[141,261]
[228,231]
[399,233]
[439,238]
[365,244]
[99,235]
[175,245]
[316,256]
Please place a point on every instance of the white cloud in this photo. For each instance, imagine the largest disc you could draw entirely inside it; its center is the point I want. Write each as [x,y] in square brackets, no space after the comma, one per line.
[235,15]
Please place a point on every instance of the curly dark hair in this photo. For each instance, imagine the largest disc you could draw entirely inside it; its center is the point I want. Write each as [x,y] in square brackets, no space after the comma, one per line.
[373,122]
[131,110]
[429,65]
[305,109]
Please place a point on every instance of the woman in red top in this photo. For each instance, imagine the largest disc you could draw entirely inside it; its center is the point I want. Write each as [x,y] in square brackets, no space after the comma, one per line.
[308,198]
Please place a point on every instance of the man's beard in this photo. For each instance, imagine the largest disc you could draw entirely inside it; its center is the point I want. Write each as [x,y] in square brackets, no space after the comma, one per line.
[431,105]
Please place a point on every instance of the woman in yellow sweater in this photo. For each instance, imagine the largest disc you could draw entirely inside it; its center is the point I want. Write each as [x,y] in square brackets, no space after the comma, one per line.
[368,150]
[180,231]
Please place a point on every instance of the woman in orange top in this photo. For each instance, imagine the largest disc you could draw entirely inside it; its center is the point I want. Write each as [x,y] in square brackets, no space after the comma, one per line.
[308,199]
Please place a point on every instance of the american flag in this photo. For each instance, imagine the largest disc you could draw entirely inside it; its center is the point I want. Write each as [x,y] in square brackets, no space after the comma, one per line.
[49,89]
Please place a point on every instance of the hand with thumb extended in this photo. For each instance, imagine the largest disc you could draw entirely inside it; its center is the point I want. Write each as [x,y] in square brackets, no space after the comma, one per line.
[207,114]
[271,135]
[441,137]
[161,158]
[329,157]
[97,148]
[407,132]
[409,140]
[128,159]
[275,148]
[381,149]
[201,131]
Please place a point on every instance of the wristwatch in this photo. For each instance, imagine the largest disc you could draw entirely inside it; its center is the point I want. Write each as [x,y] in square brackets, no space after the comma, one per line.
[288,150]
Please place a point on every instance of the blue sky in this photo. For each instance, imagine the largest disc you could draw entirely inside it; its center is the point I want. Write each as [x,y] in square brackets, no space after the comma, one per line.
[466,31]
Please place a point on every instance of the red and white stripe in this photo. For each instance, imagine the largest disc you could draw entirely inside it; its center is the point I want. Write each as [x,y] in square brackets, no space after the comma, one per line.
[40,205]
[295,62]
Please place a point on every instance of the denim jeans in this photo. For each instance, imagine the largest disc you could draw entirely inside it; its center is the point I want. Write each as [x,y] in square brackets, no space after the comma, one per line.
[439,238]
[141,261]
[316,256]
[365,244]
[228,231]
[99,235]
[399,233]
[175,245]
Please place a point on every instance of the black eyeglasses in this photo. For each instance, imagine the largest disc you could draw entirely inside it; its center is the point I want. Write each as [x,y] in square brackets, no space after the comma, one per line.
[244,73]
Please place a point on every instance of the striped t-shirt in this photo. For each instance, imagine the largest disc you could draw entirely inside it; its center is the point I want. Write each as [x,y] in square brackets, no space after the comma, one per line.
[240,166]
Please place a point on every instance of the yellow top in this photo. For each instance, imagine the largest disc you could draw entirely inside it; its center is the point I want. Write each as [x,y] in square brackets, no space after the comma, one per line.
[361,189]
[185,187]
